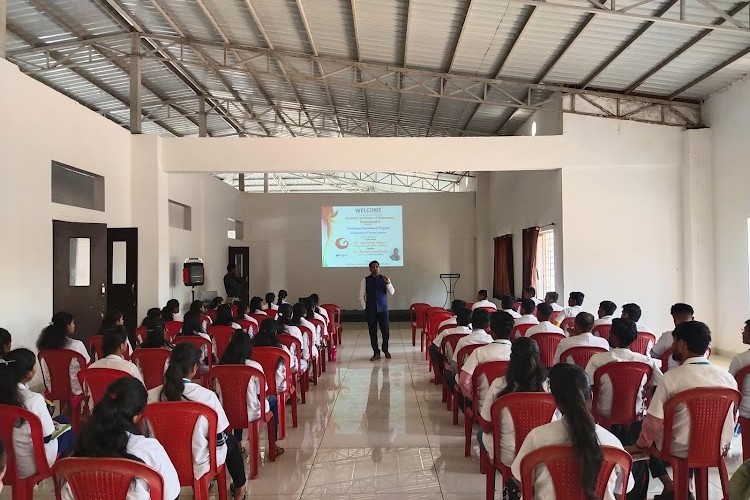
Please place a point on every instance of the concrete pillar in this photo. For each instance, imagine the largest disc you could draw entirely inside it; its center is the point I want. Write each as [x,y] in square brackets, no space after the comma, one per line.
[265,182]
[484,242]
[135,84]
[3,14]
[202,126]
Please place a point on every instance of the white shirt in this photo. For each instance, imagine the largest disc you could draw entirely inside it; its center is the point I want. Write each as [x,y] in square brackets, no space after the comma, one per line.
[604,320]
[694,372]
[583,340]
[449,331]
[497,350]
[450,321]
[483,303]
[513,313]
[299,362]
[544,327]
[569,312]
[616,355]
[643,328]
[663,343]
[738,363]
[25,461]
[198,394]
[475,337]
[536,300]
[556,307]
[556,433]
[80,348]
[363,291]
[526,319]
[315,331]
[115,362]
[253,392]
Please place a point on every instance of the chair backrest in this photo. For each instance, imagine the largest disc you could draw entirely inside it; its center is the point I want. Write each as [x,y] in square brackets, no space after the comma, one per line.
[469,305]
[291,343]
[416,311]
[547,342]
[221,334]
[643,342]
[602,331]
[57,363]
[451,339]
[207,319]
[151,362]
[520,330]
[563,464]
[141,333]
[490,370]
[9,415]
[630,378]
[581,354]
[740,378]
[707,408]
[269,358]
[426,314]
[248,326]
[433,321]
[528,410]
[172,424]
[95,347]
[553,317]
[203,344]
[334,312]
[173,328]
[567,323]
[104,478]
[667,355]
[446,327]
[212,313]
[233,308]
[94,381]
[260,318]
[319,325]
[488,309]
[233,381]
[464,353]
[271,313]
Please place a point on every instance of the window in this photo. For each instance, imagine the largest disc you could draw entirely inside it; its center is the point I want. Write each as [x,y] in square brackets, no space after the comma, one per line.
[77,188]
[180,216]
[545,262]
[235,229]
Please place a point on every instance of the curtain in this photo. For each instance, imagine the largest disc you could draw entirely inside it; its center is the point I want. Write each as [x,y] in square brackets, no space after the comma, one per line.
[530,239]
[502,283]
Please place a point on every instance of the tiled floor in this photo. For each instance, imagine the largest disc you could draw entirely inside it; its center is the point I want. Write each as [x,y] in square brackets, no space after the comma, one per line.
[374,430]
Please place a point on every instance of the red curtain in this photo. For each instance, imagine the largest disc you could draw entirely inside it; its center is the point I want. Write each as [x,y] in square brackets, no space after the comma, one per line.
[502,283]
[530,239]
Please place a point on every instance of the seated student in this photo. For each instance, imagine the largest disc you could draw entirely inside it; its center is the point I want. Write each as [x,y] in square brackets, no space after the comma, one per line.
[256,305]
[111,432]
[215,303]
[633,311]
[282,298]
[200,308]
[171,311]
[681,313]
[480,318]
[606,312]
[155,338]
[238,352]
[243,313]
[224,318]
[191,326]
[114,344]
[299,360]
[506,304]
[267,337]
[311,304]
[527,313]
[464,320]
[57,336]
[184,363]
[529,292]
[525,374]
[482,301]
[575,301]
[543,314]
[551,299]
[17,368]
[311,314]
[5,341]
[111,319]
[269,302]
[580,336]
[299,313]
[738,363]
[316,306]
[691,340]
[153,312]
[572,392]
[501,326]
[456,306]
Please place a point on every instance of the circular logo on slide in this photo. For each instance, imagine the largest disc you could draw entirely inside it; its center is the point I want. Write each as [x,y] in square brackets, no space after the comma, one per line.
[341,243]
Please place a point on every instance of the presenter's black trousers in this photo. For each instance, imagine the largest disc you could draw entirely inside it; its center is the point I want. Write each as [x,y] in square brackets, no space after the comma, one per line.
[374,319]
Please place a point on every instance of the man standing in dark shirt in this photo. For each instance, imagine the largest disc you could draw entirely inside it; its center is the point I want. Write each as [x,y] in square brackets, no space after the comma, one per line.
[234,285]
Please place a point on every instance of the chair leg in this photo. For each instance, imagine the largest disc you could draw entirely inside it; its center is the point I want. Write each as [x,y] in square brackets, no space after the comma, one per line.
[455,407]
[305,383]
[323,358]
[490,483]
[282,414]
[484,461]
[701,483]
[200,488]
[413,335]
[468,421]
[222,480]
[421,341]
[253,448]
[724,479]
[23,490]
[681,478]
[294,410]
[271,440]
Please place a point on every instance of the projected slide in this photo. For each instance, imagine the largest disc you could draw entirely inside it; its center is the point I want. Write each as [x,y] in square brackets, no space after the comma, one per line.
[354,236]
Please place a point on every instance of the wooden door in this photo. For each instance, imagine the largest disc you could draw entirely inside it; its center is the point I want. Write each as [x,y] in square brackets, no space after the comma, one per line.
[241,257]
[122,274]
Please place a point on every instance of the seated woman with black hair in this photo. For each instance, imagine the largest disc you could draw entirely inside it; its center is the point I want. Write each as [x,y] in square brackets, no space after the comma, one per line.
[256,305]
[171,311]
[243,313]
[301,360]
[270,301]
[112,319]
[224,317]
[156,334]
[57,336]
[268,337]
[184,365]
[111,432]
[192,326]
[5,341]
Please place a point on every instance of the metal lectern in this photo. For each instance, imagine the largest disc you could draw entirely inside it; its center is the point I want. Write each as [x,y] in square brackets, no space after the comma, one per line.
[450,286]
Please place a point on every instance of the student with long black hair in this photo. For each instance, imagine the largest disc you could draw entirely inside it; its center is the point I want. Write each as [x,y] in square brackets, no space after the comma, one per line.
[184,363]
[112,319]
[111,432]
[267,337]
[270,298]
[224,317]
[114,345]
[171,311]
[191,325]
[156,336]
[256,305]
[17,368]
[571,388]
[57,336]
[281,298]
[285,316]
[244,312]
[5,341]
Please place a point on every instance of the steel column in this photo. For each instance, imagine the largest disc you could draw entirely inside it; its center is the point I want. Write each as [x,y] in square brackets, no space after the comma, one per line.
[202,126]
[135,84]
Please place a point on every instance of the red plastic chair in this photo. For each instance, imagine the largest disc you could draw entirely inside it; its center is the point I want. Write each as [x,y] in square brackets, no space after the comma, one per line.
[301,380]
[520,330]
[630,383]
[334,313]
[233,381]
[744,421]
[446,327]
[141,333]
[269,357]
[260,318]
[416,313]
[104,478]
[553,317]
[233,307]
[490,370]
[57,364]
[461,357]
[271,313]
[151,361]
[708,408]
[321,326]
[319,359]
[172,424]
[450,339]
[567,323]
[668,355]
[212,313]
[433,319]
[425,327]
[249,326]
[94,382]
[516,306]
[204,345]
[528,410]
[23,489]
[95,347]
[562,462]
[173,328]
[602,331]
[580,354]
[221,334]
[469,305]
[207,319]
[547,342]
[643,343]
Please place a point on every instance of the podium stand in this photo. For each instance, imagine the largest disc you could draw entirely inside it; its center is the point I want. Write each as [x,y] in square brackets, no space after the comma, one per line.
[450,286]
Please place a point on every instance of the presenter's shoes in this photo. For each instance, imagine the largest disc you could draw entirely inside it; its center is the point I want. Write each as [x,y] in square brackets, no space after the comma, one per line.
[387,354]
[375,357]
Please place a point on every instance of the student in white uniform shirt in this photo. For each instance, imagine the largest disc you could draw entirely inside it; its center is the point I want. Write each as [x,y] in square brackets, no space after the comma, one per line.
[184,363]
[575,303]
[681,313]
[57,336]
[527,313]
[436,357]
[270,301]
[111,319]
[268,337]
[529,292]
[633,311]
[17,369]
[224,318]
[301,360]
[456,306]
[316,305]
[114,344]
[282,297]
[482,301]
[192,327]
[543,314]
[480,319]
[111,432]
[580,336]
[691,340]
[551,299]
[738,363]
[506,304]
[299,313]
[606,312]
[572,391]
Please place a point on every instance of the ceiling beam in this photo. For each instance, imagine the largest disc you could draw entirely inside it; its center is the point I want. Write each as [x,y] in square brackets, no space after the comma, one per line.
[709,73]
[359,59]
[404,51]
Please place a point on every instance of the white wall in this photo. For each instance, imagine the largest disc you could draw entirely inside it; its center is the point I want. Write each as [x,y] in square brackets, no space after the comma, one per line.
[727,113]
[549,120]
[284,234]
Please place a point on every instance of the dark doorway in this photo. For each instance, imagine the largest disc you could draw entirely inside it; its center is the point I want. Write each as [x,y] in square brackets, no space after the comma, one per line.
[122,274]
[79,273]
[241,257]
